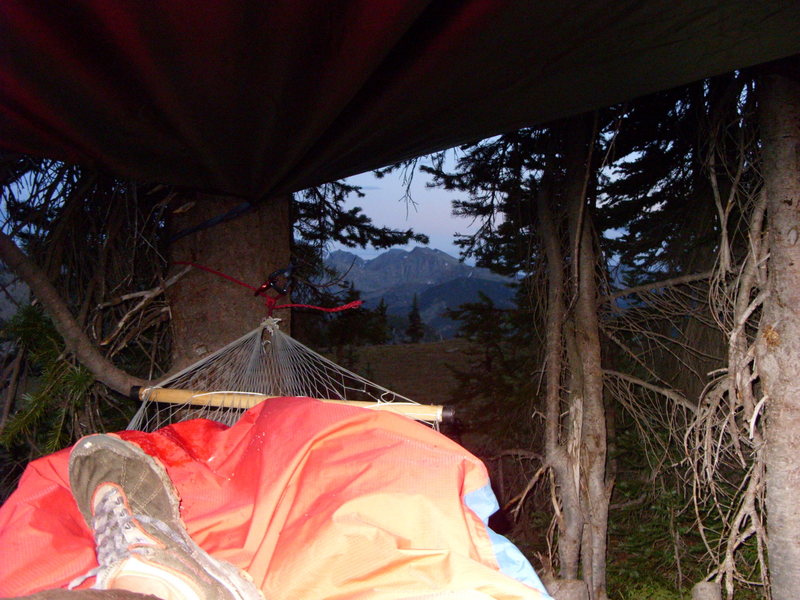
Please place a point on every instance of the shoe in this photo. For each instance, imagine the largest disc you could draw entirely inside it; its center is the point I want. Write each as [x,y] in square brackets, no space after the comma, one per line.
[131,506]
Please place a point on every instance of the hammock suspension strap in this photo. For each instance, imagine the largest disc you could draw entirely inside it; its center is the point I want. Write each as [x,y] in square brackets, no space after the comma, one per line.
[274,283]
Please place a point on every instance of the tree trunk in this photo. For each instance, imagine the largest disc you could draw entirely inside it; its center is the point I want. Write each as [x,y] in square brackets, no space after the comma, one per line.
[778,349]
[209,311]
[563,464]
[595,490]
[578,457]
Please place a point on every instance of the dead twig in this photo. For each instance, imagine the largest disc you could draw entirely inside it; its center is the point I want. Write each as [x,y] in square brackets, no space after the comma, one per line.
[146,296]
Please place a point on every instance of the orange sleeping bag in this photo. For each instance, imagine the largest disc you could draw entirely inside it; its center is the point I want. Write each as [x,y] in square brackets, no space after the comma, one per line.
[314,500]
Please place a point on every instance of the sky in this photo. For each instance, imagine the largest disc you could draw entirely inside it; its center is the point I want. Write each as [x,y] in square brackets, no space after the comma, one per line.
[429,213]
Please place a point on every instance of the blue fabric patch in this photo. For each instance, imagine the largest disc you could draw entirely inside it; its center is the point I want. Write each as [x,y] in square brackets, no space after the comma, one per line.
[512,562]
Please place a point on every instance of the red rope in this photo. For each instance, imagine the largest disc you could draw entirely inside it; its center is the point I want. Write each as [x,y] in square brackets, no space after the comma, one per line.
[272,304]
[220,274]
[270,301]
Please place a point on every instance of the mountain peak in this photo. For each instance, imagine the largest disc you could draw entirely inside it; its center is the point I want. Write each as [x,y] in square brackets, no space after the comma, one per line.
[338,258]
[438,279]
[397,268]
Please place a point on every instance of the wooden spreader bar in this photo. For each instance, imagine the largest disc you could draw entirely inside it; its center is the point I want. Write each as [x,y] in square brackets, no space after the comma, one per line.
[431,413]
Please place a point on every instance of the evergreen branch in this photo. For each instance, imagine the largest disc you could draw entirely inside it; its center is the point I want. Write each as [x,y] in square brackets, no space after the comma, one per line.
[53,441]
[23,421]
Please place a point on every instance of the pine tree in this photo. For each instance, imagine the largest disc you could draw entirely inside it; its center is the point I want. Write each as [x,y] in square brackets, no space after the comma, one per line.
[348,328]
[660,196]
[416,328]
[379,326]
[534,193]
[319,217]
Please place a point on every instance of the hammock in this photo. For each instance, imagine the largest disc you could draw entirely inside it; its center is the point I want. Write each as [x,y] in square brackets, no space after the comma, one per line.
[264,364]
[313,500]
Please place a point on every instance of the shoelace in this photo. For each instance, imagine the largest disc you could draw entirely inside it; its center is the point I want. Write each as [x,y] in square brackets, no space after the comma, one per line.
[115,532]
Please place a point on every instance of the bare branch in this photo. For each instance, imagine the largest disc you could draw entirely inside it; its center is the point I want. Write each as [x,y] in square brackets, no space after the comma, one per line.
[74,337]
[667,393]
[640,499]
[646,287]
[519,453]
[146,297]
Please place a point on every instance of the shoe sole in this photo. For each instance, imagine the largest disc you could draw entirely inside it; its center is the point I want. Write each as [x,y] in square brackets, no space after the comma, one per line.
[235,580]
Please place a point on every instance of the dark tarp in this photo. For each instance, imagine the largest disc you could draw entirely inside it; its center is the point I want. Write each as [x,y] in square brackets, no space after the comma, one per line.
[258,97]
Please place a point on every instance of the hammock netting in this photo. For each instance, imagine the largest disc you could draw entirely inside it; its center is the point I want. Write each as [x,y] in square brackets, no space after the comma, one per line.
[262,364]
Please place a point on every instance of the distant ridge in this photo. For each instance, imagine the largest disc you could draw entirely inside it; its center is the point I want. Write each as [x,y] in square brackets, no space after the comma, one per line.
[439,280]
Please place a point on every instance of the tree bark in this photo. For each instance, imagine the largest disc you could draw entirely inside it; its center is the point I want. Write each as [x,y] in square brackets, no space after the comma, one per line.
[209,311]
[578,458]
[571,522]
[778,348]
[595,490]
[75,338]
